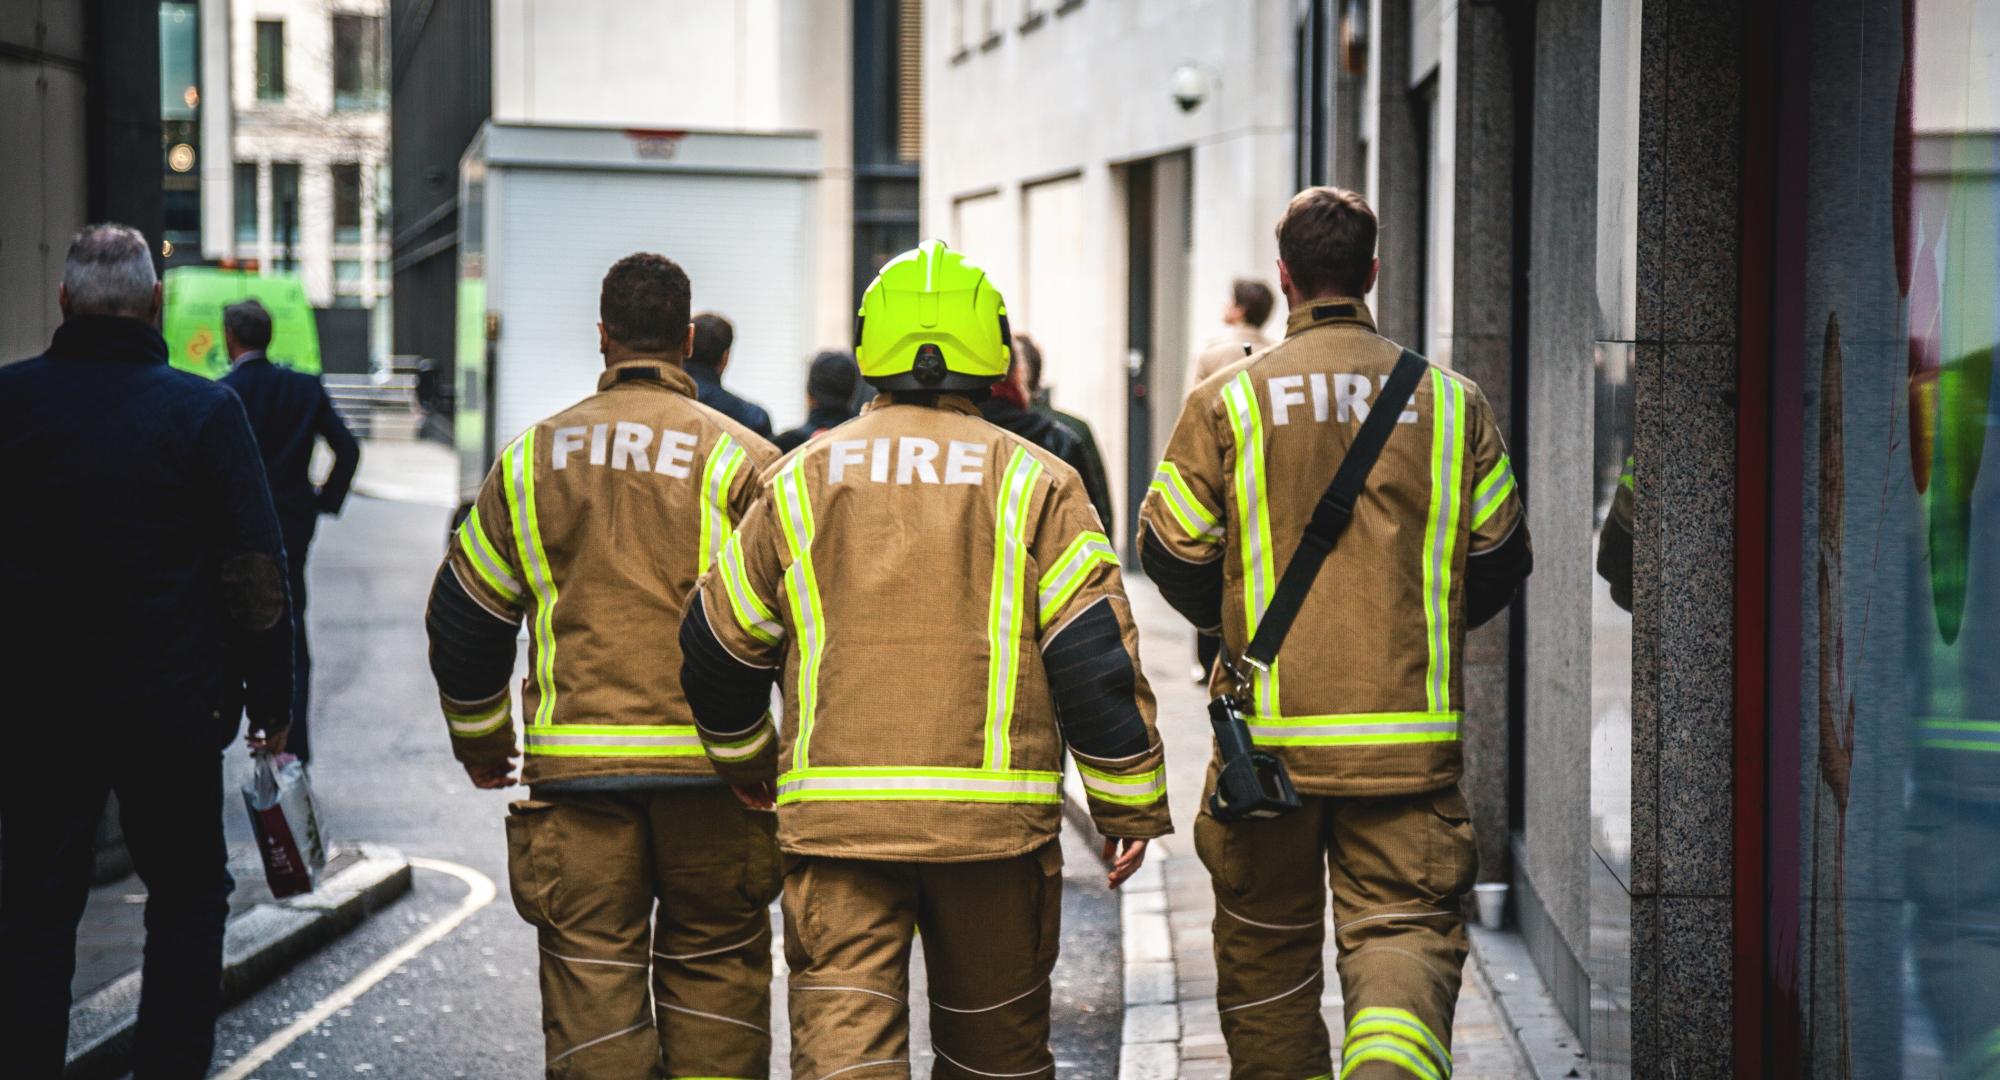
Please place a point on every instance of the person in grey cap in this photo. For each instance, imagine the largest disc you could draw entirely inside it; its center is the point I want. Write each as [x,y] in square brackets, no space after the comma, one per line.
[290,411]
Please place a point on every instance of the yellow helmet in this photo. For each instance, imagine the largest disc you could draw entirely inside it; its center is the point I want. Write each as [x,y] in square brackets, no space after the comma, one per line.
[932,321]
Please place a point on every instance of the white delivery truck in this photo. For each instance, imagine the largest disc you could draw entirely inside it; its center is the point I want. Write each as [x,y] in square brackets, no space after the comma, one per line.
[546,209]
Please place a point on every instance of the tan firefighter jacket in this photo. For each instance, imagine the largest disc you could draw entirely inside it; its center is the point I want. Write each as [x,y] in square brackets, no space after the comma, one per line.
[936,596]
[593,526]
[1365,696]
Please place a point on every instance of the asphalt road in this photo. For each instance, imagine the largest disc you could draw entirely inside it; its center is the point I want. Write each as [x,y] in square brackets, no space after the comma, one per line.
[467,1005]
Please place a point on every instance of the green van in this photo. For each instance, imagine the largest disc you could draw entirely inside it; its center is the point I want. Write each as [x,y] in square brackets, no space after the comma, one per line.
[192,321]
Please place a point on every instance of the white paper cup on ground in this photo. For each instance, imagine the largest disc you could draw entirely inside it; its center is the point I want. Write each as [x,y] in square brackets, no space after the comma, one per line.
[1491,897]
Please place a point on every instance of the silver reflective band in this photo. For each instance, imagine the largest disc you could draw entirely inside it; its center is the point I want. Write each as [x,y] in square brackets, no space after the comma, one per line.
[539,737]
[1442,727]
[738,752]
[997,786]
[1151,783]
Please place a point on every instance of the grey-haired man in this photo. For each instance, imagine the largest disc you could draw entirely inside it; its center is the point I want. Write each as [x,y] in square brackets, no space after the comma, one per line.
[140,551]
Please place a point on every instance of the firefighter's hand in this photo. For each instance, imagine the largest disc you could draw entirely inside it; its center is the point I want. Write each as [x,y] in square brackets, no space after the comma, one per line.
[1131,855]
[261,742]
[762,795]
[496,775]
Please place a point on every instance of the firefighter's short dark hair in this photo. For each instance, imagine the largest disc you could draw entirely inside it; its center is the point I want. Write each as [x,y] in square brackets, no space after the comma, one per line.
[1327,240]
[645,301]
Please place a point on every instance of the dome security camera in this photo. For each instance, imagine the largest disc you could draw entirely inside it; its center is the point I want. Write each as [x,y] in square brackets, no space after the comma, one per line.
[1190,87]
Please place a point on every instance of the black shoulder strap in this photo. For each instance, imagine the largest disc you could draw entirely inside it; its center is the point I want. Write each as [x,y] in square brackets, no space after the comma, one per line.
[1335,509]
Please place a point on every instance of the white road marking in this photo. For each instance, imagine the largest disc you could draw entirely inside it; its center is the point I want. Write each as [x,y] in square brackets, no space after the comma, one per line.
[480,892]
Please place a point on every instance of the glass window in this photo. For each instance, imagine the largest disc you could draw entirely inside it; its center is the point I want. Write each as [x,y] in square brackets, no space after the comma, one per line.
[346,204]
[246,202]
[270,60]
[285,213]
[180,61]
[1897,544]
[347,271]
[357,62]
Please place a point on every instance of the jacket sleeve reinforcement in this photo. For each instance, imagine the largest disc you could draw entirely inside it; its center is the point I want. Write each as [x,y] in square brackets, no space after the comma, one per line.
[1499,557]
[251,560]
[731,644]
[1090,652]
[1181,522]
[476,605]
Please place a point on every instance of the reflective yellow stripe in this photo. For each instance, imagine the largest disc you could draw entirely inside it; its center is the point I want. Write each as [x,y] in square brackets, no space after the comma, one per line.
[752,614]
[1003,609]
[481,721]
[1401,1024]
[743,748]
[1070,572]
[1950,734]
[802,588]
[1129,789]
[1390,1049]
[485,559]
[614,740]
[723,461]
[520,462]
[1491,493]
[1193,518]
[1355,729]
[1441,534]
[1260,581]
[907,784]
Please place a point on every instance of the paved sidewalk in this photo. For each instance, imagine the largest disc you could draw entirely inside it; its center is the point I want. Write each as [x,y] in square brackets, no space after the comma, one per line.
[1171,1028]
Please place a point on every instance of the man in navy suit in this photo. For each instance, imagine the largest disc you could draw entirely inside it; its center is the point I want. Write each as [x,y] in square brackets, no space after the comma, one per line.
[289,410]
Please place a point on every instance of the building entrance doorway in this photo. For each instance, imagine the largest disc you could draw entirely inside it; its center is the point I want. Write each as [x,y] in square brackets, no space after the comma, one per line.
[1159,202]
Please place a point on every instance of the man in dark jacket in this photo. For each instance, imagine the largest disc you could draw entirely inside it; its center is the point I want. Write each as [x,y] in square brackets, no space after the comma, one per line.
[1093,473]
[829,398]
[140,548]
[713,338]
[1008,408]
[289,410]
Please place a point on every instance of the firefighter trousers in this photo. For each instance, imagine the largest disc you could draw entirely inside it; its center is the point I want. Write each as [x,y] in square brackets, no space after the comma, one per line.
[652,912]
[1399,868]
[990,934]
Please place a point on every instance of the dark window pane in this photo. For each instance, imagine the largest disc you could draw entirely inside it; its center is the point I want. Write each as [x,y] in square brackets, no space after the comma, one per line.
[285,213]
[357,62]
[347,204]
[246,202]
[270,61]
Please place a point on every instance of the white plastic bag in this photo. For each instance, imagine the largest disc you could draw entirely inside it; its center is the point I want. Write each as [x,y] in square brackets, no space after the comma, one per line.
[286,823]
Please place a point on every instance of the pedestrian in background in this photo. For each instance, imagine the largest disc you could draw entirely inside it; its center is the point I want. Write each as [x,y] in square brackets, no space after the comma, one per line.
[140,552]
[290,413]
[646,881]
[830,383]
[714,337]
[1363,704]
[1092,459]
[1249,308]
[1006,405]
[1243,320]
[948,619]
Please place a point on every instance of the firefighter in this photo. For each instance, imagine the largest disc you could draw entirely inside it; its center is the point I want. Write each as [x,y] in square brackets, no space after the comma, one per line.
[1362,706]
[630,857]
[947,615]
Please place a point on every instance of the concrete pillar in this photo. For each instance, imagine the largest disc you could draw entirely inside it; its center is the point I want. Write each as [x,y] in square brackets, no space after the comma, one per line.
[1683,572]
